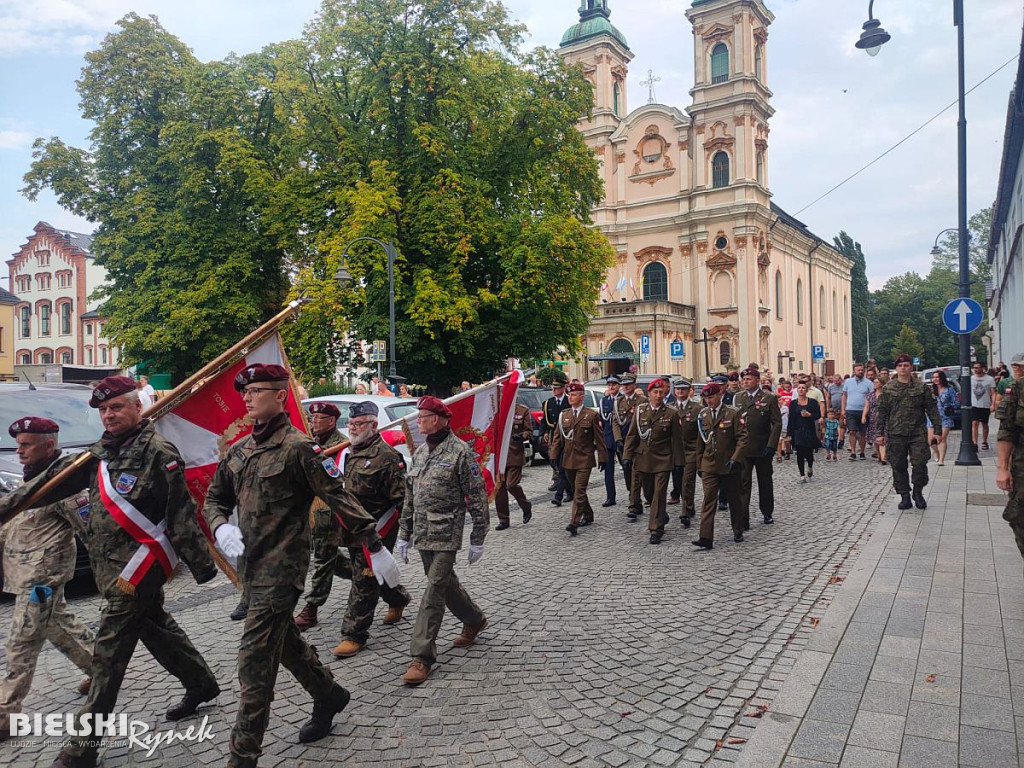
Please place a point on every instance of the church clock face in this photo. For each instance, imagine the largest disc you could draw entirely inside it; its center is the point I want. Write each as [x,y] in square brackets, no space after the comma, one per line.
[721,243]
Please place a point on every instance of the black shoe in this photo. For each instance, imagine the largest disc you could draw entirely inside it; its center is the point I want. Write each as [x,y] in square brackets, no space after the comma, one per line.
[527,515]
[738,536]
[656,537]
[905,502]
[586,521]
[919,501]
[319,724]
[609,503]
[190,702]
[685,521]
[702,543]
[768,519]
[554,486]
[572,529]
[240,612]
[502,526]
[853,457]
[632,516]
[557,502]
[863,457]
[723,507]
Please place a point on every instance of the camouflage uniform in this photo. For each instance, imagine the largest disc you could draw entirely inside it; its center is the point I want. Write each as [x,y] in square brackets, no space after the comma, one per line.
[375,475]
[151,476]
[899,416]
[273,483]
[1011,429]
[442,485]
[512,484]
[39,549]
[326,540]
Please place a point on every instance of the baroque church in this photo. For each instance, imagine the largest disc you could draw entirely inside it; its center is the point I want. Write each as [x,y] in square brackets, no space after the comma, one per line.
[687,207]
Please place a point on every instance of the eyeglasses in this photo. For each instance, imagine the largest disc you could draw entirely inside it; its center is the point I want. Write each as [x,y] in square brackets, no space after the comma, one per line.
[252,390]
[320,417]
[364,423]
[428,416]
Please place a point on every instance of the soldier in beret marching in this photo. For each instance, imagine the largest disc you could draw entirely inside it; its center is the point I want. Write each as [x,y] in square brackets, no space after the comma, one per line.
[512,482]
[39,559]
[761,415]
[684,479]
[629,397]
[720,448]
[578,436]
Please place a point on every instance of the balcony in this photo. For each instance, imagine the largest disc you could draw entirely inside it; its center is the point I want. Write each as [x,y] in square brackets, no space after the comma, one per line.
[628,310]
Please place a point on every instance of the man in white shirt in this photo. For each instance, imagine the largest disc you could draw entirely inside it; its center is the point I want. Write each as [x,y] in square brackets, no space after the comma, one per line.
[144,396]
[983,388]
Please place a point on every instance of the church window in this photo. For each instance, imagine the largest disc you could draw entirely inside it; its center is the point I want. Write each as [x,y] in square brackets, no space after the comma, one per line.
[616,97]
[655,282]
[821,306]
[721,243]
[620,347]
[800,301]
[778,293]
[757,61]
[724,353]
[720,170]
[760,168]
[722,290]
[720,63]
[846,316]
[835,312]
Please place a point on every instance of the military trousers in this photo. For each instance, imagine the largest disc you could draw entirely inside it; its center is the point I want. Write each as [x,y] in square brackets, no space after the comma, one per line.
[326,538]
[124,621]
[512,486]
[635,489]
[728,485]
[442,590]
[1014,512]
[32,625]
[764,466]
[900,449]
[270,639]
[684,487]
[655,488]
[365,592]
[578,480]
[609,469]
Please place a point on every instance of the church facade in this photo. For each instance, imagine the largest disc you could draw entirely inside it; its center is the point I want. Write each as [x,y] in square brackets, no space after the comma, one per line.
[687,207]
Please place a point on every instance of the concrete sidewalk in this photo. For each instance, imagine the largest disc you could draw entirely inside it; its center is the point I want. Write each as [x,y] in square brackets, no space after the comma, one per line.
[919,659]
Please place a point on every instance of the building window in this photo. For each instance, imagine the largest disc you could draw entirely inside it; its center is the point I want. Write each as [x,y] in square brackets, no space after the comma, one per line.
[760,168]
[800,301]
[65,357]
[65,318]
[88,355]
[103,355]
[757,62]
[26,322]
[720,63]
[721,289]
[821,306]
[724,353]
[103,328]
[778,293]
[655,282]
[720,170]
[88,329]
[44,319]
[46,358]
[616,97]
[846,316]
[3,333]
[43,258]
[835,312]
[26,359]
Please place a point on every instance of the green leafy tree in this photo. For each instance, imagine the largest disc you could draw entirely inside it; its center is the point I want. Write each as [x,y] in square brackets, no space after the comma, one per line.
[860,294]
[907,343]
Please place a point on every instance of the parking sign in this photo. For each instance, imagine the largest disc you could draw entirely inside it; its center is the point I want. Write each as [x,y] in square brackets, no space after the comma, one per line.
[677,350]
[818,352]
[645,344]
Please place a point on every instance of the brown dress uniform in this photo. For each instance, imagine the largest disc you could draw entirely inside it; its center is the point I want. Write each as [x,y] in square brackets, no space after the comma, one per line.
[622,423]
[654,445]
[761,416]
[512,484]
[689,412]
[722,438]
[574,442]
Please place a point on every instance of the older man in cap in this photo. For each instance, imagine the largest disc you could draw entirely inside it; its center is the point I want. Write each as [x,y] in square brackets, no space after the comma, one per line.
[272,476]
[1010,449]
[761,415]
[684,478]
[721,445]
[375,475]
[900,424]
[622,423]
[607,418]
[39,559]
[142,519]
[323,422]
[444,483]
[578,436]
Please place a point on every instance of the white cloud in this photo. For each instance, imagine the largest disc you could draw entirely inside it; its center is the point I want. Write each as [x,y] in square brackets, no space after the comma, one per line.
[15,139]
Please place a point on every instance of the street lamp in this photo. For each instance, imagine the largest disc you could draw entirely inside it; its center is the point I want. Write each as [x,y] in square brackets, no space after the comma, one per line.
[935,248]
[873,37]
[344,278]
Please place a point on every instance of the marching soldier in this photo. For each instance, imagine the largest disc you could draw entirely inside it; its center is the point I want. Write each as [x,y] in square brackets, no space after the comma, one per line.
[375,475]
[654,446]
[512,482]
[760,414]
[39,559]
[607,418]
[552,408]
[1010,450]
[722,442]
[578,435]
[684,478]
[900,424]
[272,476]
[323,422]
[625,406]
[142,519]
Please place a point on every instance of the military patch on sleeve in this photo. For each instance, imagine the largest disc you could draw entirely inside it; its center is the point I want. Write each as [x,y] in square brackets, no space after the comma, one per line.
[317,448]
[474,469]
[170,467]
[330,467]
[125,483]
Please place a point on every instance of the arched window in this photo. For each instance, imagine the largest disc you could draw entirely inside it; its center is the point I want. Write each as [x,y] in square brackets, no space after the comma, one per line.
[65,318]
[88,355]
[620,347]
[65,357]
[46,358]
[103,355]
[655,282]
[846,316]
[721,289]
[821,306]
[724,352]
[25,322]
[760,168]
[835,312]
[616,97]
[720,170]
[800,301]
[778,293]
[44,319]
[25,359]
[720,63]
[757,61]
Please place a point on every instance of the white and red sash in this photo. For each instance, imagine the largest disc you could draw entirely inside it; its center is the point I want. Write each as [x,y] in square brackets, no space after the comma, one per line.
[154,546]
[387,522]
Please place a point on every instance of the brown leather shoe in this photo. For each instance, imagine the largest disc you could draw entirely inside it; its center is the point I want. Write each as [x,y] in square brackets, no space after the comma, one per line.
[347,648]
[84,686]
[469,633]
[417,673]
[306,618]
[394,615]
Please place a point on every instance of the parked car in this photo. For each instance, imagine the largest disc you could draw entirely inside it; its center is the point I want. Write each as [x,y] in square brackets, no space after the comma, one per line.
[533,398]
[80,427]
[391,409]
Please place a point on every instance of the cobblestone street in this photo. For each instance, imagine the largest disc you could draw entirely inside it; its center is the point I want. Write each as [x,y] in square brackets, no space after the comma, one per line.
[601,650]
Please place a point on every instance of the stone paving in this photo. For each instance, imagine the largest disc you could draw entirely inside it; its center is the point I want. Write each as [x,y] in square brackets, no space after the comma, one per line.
[601,651]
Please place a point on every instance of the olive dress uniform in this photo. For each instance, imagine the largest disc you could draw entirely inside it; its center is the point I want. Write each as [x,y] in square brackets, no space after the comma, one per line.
[654,446]
[577,437]
[1011,429]
[622,423]
[900,417]
[684,478]
[516,458]
[720,448]
[760,414]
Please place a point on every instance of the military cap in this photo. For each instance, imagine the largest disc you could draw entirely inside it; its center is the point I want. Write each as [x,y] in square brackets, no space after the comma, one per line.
[259,372]
[1017,359]
[574,386]
[711,389]
[558,384]
[434,405]
[719,378]
[657,384]
[613,380]
[733,376]
[751,372]
[112,386]
[33,425]
[903,359]
[628,378]
[682,383]
[325,409]
[365,408]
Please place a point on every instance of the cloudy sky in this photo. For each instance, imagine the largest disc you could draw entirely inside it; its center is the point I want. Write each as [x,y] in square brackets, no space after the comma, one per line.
[836,108]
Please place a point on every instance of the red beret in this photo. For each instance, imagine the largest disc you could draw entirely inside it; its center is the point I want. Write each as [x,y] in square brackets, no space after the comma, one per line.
[574,386]
[712,389]
[434,405]
[258,372]
[112,386]
[33,425]
[657,383]
[734,376]
[751,372]
[327,409]
[903,359]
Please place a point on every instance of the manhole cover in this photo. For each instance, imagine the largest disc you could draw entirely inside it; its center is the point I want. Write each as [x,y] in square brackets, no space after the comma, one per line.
[987,499]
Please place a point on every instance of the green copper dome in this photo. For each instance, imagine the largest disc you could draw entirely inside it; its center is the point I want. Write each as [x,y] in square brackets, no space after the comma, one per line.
[593,23]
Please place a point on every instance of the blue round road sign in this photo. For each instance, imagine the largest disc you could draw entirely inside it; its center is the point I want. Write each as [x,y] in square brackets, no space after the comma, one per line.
[963,315]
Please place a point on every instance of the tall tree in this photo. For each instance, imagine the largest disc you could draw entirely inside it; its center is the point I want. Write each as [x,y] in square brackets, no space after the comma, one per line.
[860,294]
[907,342]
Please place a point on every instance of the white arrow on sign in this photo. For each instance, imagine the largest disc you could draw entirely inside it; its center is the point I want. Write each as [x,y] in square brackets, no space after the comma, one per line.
[962,311]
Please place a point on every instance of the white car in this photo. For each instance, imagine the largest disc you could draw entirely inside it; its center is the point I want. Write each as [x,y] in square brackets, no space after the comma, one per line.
[391,409]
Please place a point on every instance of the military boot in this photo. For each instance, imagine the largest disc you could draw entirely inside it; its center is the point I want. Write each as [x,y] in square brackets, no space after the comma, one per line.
[319,724]
[306,618]
[905,502]
[191,700]
[919,501]
[241,610]
[394,614]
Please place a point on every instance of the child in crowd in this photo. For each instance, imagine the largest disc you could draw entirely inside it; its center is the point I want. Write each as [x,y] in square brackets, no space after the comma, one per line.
[832,436]
[785,448]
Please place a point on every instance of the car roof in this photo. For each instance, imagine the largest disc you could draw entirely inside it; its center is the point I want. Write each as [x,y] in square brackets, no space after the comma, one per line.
[23,385]
[378,399]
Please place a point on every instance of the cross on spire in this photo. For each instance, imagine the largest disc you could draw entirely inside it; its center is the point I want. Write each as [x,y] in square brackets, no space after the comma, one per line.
[649,83]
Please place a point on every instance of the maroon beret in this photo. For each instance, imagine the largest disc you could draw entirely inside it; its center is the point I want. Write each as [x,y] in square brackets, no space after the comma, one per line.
[434,405]
[258,372]
[112,386]
[751,372]
[903,359]
[711,389]
[734,376]
[33,425]
[326,409]
[574,386]
[657,384]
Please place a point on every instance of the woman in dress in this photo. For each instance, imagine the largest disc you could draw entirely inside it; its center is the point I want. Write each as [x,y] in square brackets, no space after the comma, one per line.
[946,401]
[870,419]
[804,414]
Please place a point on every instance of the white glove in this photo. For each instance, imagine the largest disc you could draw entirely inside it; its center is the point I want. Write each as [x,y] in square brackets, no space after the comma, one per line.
[229,539]
[402,548]
[385,567]
[476,551]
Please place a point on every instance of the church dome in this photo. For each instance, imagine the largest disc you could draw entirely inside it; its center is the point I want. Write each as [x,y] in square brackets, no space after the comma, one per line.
[593,23]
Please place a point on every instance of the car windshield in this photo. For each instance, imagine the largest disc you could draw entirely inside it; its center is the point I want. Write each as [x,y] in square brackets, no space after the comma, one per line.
[396,412]
[532,398]
[79,424]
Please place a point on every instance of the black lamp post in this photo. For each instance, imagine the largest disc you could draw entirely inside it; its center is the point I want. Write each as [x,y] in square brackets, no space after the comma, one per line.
[871,39]
[344,278]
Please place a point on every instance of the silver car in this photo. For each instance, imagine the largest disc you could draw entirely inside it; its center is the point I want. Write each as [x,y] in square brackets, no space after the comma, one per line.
[391,409]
